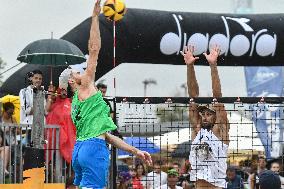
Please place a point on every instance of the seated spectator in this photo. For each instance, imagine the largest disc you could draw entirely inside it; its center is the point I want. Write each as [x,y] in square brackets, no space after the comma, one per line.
[269,180]
[233,180]
[138,180]
[132,171]
[8,118]
[8,112]
[4,152]
[124,180]
[172,180]
[183,179]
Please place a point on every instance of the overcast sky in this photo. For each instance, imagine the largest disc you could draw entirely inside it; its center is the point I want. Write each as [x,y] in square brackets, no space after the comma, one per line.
[24,21]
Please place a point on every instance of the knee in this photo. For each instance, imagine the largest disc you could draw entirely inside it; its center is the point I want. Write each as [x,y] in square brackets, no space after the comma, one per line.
[6,149]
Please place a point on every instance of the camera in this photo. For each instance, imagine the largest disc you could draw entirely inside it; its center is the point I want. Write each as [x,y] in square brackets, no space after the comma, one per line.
[29,76]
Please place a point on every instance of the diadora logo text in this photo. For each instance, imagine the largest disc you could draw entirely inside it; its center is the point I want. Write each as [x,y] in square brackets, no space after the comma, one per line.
[259,42]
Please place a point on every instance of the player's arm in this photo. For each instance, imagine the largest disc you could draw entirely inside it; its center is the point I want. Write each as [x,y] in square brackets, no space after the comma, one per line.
[221,114]
[117,142]
[94,47]
[193,89]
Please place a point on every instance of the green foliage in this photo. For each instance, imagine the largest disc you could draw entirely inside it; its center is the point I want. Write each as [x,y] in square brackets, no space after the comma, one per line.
[2,66]
[172,112]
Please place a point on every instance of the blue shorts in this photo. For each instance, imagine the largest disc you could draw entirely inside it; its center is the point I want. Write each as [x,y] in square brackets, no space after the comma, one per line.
[90,162]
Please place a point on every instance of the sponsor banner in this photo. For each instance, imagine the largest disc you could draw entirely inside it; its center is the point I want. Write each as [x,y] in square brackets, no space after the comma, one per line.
[150,36]
[267,82]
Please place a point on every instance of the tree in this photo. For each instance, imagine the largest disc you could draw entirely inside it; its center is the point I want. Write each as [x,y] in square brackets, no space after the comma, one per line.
[2,66]
[172,112]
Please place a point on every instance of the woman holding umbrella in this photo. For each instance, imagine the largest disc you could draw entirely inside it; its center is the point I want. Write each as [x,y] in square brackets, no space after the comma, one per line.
[91,117]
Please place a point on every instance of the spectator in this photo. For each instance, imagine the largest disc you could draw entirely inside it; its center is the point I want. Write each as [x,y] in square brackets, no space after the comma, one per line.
[269,180]
[132,171]
[172,179]
[124,180]
[183,179]
[157,177]
[275,167]
[176,166]
[233,180]
[103,88]
[138,180]
[60,114]
[4,152]
[26,99]
[254,176]
[8,112]
[8,118]
[26,96]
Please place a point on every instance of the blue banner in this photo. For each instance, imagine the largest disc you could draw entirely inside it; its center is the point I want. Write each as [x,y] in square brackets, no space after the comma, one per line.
[266,82]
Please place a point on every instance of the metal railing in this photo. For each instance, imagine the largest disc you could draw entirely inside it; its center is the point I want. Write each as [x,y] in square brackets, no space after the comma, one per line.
[16,140]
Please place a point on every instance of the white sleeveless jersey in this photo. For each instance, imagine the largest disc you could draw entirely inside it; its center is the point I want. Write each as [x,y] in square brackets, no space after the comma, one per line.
[208,157]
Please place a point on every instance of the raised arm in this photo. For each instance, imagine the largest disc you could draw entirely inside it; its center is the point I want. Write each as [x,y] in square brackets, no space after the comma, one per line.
[94,46]
[212,60]
[189,60]
[193,89]
[221,114]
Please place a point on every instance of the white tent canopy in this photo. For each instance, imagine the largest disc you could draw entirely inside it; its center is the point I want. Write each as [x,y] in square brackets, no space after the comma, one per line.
[243,135]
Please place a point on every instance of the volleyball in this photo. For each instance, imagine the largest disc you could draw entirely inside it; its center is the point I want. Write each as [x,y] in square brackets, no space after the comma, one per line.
[114,9]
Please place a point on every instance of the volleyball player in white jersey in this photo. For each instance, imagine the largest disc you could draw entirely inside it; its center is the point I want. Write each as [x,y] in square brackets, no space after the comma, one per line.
[209,127]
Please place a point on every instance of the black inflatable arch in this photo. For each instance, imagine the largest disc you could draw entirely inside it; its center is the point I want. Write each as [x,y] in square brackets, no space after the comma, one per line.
[156,37]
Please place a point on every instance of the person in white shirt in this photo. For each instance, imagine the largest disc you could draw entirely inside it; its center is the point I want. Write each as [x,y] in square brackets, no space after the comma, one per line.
[209,127]
[172,180]
[157,177]
[26,97]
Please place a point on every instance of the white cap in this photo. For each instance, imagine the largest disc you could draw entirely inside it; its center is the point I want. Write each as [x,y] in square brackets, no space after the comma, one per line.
[79,68]
[64,76]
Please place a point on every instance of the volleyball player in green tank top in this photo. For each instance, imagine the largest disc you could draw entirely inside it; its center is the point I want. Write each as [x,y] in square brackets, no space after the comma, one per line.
[90,114]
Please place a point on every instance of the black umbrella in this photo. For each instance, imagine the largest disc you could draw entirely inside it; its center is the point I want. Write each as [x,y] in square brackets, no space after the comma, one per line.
[182,150]
[51,52]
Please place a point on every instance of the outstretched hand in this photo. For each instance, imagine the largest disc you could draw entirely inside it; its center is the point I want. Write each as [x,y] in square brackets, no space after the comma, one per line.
[145,156]
[97,8]
[187,54]
[213,55]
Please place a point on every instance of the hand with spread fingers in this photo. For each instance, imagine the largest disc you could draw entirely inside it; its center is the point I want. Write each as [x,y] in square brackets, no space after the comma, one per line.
[187,54]
[213,55]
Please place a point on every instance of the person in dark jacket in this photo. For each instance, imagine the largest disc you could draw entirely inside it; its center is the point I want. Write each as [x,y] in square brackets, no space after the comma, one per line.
[233,180]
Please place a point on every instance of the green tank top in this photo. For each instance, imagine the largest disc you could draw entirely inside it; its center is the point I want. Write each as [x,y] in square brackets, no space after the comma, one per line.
[91,116]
